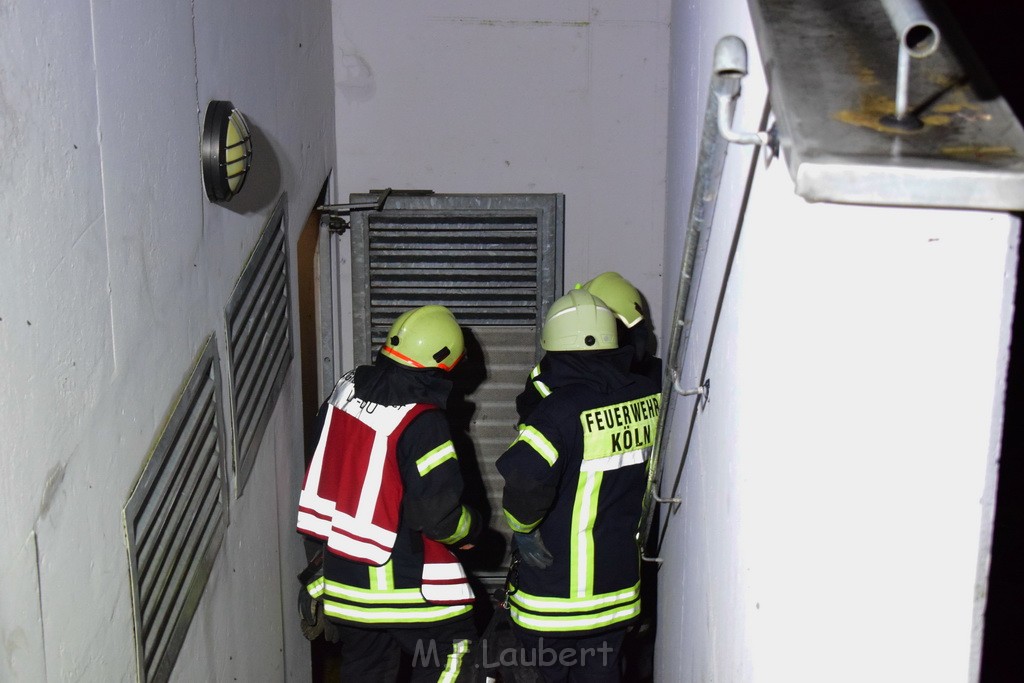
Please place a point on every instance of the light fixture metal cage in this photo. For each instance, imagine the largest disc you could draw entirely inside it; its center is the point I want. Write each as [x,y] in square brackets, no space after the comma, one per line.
[226,151]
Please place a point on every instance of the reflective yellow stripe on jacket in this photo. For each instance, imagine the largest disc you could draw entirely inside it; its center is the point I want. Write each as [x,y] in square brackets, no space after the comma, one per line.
[382,604]
[542,613]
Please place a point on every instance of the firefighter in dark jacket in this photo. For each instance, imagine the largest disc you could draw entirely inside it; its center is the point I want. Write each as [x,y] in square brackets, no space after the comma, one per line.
[574,484]
[634,330]
[382,495]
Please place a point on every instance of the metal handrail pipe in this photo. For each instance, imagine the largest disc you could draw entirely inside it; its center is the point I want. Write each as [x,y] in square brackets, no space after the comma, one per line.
[729,67]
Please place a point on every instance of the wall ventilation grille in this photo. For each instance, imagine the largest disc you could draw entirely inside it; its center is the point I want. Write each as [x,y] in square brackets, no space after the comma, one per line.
[175,520]
[492,259]
[259,342]
[484,268]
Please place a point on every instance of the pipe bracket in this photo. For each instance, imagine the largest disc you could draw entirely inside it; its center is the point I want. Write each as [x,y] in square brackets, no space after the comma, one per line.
[730,66]
[659,499]
[681,389]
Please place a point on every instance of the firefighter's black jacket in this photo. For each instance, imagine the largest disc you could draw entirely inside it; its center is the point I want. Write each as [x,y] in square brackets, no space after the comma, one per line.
[643,362]
[577,473]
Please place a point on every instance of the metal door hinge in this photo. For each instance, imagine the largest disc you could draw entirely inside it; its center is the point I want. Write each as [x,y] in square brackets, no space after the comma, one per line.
[333,216]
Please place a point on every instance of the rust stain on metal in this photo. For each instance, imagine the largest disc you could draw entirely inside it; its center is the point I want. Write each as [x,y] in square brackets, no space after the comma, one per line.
[869,115]
[936,120]
[866,76]
[875,106]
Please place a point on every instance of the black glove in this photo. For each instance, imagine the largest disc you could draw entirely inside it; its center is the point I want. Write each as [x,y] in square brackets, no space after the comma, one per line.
[532,550]
[311,615]
[312,619]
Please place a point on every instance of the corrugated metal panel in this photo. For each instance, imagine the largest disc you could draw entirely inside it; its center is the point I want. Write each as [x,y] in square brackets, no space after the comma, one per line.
[492,259]
[259,342]
[483,267]
[495,261]
[175,520]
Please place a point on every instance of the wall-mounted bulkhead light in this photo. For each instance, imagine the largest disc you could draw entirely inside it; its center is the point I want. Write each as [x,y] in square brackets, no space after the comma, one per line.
[226,151]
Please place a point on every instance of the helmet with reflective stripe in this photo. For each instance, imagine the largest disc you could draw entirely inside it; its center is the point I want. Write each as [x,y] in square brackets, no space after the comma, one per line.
[425,337]
[579,321]
[620,295]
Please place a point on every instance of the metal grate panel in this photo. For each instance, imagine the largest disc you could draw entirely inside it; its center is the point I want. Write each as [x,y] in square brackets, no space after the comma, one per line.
[483,267]
[491,259]
[259,342]
[175,520]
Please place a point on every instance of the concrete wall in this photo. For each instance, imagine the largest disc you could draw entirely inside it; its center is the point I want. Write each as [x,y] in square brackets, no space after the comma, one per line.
[114,269]
[532,96]
[838,484]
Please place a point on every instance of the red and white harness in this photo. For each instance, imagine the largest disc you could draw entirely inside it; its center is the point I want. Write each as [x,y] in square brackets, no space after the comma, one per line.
[353,491]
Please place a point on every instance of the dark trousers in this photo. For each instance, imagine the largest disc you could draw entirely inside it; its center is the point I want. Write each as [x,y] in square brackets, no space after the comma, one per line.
[593,659]
[440,652]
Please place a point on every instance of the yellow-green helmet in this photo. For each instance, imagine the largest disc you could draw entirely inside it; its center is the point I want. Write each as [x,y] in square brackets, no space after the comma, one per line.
[579,321]
[620,295]
[425,337]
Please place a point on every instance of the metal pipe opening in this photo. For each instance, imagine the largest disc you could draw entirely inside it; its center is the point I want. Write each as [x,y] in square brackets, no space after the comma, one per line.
[918,35]
[921,40]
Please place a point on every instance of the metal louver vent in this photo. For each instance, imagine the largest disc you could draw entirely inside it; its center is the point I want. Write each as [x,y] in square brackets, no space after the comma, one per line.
[491,259]
[175,520]
[259,342]
[483,268]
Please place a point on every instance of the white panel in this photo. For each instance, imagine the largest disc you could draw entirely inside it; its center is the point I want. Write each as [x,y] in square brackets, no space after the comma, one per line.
[150,206]
[642,11]
[22,646]
[54,322]
[523,12]
[864,330]
[615,200]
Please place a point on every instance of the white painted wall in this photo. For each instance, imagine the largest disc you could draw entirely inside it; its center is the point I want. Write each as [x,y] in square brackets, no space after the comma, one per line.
[838,485]
[114,269]
[531,96]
